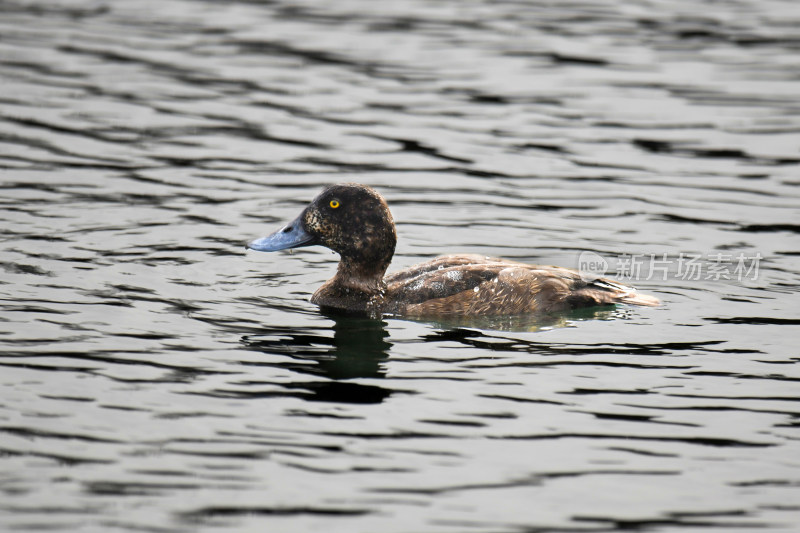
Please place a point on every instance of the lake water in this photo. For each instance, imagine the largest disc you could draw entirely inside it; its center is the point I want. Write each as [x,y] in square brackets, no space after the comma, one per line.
[155,377]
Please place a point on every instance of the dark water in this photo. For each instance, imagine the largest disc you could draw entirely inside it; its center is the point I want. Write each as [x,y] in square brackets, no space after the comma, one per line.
[154,377]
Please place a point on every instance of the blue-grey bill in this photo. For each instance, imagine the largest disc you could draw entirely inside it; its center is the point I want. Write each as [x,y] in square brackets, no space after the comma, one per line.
[290,236]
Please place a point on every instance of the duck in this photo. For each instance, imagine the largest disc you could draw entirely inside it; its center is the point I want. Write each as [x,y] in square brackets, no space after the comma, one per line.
[354,221]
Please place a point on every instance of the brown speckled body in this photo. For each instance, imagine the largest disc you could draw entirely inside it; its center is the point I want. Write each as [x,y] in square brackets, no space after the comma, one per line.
[362,231]
[474,285]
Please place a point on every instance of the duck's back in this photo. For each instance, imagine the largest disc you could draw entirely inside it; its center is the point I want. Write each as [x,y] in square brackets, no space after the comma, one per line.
[475,285]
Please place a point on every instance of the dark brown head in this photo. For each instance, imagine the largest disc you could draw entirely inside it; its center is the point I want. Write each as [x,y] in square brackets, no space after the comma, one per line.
[350,219]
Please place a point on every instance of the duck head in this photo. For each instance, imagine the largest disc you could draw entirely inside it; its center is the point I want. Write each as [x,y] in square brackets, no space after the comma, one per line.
[352,220]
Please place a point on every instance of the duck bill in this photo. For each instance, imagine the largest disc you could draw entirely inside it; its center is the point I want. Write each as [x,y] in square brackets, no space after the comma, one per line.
[291,235]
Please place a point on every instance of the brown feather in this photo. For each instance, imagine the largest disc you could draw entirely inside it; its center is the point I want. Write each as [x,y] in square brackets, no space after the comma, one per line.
[474,285]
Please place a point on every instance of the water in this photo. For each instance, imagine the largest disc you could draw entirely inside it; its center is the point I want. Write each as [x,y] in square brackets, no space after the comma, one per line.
[155,377]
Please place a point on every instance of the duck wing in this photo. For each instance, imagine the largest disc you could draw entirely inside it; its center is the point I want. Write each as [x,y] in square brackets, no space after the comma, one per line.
[441,278]
[474,285]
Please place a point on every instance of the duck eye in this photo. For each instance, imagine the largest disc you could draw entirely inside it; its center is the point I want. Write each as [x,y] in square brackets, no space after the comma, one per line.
[334,204]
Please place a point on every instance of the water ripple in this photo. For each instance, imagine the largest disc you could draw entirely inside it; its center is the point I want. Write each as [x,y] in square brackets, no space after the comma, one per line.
[149,364]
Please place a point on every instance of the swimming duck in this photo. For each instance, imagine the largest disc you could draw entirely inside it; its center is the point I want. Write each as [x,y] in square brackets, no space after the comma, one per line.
[354,221]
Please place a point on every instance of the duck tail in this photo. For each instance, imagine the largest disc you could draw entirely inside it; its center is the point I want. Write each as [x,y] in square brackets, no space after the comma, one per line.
[623,294]
[635,298]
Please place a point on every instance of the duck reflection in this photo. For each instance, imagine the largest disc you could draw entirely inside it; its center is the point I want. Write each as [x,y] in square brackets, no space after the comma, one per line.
[532,323]
[357,349]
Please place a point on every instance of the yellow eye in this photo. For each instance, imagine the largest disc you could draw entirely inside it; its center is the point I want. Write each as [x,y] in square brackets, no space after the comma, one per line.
[334,203]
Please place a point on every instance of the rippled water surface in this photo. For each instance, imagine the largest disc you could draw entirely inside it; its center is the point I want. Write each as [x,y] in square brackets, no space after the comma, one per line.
[155,377]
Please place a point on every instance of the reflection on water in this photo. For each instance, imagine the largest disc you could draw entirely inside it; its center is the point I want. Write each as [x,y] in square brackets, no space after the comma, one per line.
[359,349]
[533,323]
[154,377]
